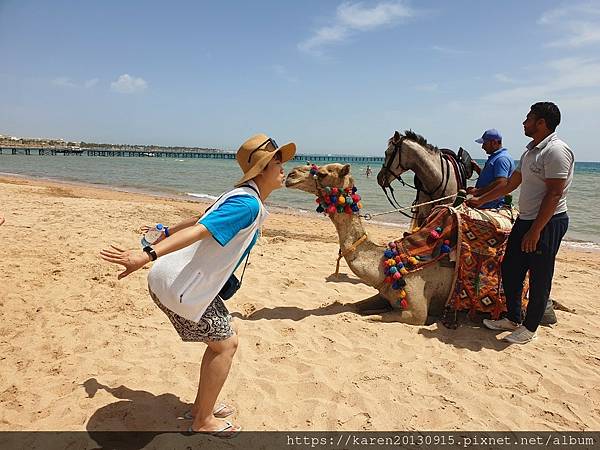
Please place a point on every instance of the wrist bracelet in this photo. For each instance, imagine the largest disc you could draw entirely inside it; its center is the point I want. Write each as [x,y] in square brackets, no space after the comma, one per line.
[151,252]
[167,232]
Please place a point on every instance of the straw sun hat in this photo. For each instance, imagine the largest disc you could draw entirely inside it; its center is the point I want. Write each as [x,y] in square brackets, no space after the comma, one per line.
[254,155]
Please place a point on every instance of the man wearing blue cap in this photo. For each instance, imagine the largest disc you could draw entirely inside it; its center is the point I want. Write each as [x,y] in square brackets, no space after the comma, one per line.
[497,170]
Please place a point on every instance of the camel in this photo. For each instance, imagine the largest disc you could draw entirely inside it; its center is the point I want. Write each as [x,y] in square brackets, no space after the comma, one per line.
[426,289]
[438,173]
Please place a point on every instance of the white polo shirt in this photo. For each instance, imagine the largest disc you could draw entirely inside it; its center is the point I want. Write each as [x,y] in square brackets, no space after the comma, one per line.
[551,158]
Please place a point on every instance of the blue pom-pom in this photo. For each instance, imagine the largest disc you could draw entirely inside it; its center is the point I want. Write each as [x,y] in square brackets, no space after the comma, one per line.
[354,207]
[396,285]
[388,254]
[445,248]
[439,229]
[393,270]
[334,199]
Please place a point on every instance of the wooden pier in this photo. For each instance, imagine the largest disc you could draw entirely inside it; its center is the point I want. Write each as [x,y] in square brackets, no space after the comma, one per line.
[125,153]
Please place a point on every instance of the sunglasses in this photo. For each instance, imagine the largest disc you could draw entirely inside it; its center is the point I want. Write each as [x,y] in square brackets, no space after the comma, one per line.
[273,143]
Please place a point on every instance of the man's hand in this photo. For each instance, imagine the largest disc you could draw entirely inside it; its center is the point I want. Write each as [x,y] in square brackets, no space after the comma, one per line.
[530,241]
[474,202]
[126,258]
[472,190]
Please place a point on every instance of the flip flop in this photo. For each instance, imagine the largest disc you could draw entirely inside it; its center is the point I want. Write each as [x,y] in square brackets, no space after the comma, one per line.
[221,411]
[228,431]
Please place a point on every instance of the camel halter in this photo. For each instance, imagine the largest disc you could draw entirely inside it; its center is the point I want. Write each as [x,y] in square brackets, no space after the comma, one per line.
[323,194]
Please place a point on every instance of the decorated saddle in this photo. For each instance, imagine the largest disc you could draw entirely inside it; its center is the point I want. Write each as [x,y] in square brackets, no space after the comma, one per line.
[474,239]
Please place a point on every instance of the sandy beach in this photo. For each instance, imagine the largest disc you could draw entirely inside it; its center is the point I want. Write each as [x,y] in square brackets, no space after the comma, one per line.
[81,350]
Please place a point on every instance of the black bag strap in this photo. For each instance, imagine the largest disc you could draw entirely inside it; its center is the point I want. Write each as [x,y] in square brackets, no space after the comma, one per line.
[244,271]
[251,187]
[248,255]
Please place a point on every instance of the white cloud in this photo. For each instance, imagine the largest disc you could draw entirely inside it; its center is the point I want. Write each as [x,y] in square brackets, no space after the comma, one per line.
[504,78]
[579,24]
[126,84]
[427,87]
[567,76]
[448,51]
[352,18]
[67,82]
[90,83]
[282,72]
[64,82]
[554,15]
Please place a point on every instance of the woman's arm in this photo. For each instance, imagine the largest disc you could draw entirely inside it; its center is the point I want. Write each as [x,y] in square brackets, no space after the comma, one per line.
[133,260]
[185,224]
[175,228]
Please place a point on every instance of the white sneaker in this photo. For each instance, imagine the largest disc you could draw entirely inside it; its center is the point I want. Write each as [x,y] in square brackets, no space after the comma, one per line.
[521,336]
[502,324]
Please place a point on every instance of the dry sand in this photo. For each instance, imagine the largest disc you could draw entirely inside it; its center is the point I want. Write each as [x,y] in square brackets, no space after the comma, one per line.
[80,350]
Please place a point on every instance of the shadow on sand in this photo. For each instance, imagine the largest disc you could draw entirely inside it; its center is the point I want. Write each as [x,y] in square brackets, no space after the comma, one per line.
[471,334]
[142,414]
[343,278]
[295,313]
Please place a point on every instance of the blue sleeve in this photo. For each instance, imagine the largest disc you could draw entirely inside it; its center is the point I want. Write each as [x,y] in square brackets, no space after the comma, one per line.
[503,167]
[233,215]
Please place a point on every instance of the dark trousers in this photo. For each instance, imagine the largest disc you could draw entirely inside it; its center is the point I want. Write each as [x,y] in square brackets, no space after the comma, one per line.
[540,265]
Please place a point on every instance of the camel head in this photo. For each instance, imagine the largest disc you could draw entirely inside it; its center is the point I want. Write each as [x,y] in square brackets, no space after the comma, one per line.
[330,175]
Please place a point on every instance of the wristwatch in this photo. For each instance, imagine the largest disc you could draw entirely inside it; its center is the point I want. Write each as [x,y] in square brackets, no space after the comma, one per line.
[151,252]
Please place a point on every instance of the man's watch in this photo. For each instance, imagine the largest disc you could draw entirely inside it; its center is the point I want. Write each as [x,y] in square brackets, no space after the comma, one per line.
[151,252]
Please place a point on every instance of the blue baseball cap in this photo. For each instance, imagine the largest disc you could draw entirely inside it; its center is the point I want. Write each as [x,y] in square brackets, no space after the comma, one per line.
[489,135]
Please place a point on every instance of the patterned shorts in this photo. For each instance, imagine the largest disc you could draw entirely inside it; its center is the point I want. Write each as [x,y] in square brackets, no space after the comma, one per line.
[214,325]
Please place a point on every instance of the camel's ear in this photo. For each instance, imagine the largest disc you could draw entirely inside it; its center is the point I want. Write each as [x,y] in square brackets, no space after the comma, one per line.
[396,136]
[345,170]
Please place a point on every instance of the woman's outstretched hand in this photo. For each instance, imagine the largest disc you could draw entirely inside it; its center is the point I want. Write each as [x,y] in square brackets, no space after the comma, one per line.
[126,258]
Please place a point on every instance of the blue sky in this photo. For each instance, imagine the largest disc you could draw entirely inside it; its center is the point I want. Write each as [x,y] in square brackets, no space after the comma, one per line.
[335,77]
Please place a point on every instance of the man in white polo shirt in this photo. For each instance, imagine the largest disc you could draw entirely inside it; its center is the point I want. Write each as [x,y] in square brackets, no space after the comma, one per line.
[544,173]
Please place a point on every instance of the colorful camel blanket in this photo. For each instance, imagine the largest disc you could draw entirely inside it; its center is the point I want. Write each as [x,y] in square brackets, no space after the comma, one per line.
[475,240]
[482,237]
